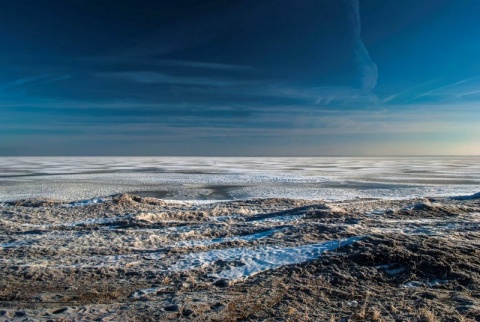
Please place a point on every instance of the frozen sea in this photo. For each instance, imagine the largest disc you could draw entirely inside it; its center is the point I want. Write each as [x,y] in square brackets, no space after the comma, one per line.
[206,178]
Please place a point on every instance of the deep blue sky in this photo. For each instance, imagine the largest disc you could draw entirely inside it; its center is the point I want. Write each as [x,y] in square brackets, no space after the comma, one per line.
[239,77]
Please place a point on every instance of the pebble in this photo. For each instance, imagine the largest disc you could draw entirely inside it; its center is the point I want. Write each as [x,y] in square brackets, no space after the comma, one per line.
[187,312]
[222,283]
[172,308]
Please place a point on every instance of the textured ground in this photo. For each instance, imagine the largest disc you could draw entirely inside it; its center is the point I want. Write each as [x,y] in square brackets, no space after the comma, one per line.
[138,258]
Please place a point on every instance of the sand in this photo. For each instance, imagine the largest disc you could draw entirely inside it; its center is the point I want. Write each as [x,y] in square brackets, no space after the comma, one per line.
[131,258]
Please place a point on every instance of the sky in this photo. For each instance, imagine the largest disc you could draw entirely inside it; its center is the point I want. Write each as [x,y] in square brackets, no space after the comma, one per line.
[239,77]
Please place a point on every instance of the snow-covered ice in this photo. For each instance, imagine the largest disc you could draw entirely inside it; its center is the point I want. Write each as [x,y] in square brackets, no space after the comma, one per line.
[206,179]
[250,261]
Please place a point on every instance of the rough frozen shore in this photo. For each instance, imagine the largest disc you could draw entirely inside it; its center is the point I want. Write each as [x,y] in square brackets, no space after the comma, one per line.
[126,257]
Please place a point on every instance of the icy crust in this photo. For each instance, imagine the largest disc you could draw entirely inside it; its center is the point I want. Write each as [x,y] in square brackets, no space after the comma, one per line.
[251,261]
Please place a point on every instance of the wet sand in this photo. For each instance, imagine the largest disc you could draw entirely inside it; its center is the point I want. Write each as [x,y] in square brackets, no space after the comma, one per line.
[138,258]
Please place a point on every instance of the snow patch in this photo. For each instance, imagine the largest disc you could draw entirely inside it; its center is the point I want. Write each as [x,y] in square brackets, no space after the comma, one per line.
[280,219]
[15,244]
[224,218]
[86,202]
[144,292]
[376,212]
[436,282]
[85,222]
[432,283]
[255,260]
[413,284]
[246,238]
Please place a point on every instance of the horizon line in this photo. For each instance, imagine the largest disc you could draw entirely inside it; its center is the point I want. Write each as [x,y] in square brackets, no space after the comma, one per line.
[241,156]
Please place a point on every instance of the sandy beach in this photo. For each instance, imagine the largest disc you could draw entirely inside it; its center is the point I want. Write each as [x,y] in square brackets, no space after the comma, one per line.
[128,257]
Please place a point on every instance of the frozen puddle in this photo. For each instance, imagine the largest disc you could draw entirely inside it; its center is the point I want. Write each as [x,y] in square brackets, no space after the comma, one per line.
[246,262]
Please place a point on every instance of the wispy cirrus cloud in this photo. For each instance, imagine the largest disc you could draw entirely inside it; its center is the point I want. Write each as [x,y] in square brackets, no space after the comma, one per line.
[32,80]
[468,88]
[204,65]
[368,69]
[150,77]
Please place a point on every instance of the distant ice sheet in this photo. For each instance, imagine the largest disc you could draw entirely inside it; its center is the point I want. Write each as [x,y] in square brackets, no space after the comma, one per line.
[194,178]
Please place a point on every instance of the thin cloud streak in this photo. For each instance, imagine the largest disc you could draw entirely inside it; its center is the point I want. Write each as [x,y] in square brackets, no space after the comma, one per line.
[368,69]
[39,79]
[149,77]
[205,65]
[453,91]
